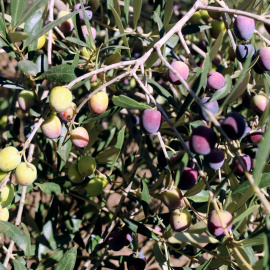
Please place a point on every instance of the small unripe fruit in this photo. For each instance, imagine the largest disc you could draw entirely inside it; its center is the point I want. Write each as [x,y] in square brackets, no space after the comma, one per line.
[213,14]
[86,32]
[79,137]
[215,80]
[51,127]
[10,158]
[214,223]
[172,198]
[205,16]
[87,165]
[180,220]
[26,99]
[66,26]
[244,27]
[5,192]
[95,187]
[151,120]
[26,174]
[217,28]
[196,18]
[98,103]
[74,174]
[4,216]
[181,68]
[60,98]
[41,42]
[259,103]
[68,114]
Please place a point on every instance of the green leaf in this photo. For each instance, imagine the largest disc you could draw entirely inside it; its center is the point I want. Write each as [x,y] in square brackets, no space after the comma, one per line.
[2,267]
[49,188]
[107,155]
[243,187]
[168,11]
[68,261]
[216,47]
[42,63]
[246,5]
[262,156]
[238,259]
[139,228]
[240,89]
[254,241]
[202,196]
[17,36]
[52,260]
[137,7]
[126,9]
[50,26]
[145,197]
[128,103]
[14,233]
[16,9]
[36,5]
[160,258]
[77,41]
[113,58]
[163,92]
[117,7]
[196,189]
[18,265]
[2,27]
[245,214]
[120,26]
[32,27]
[103,115]
[47,239]
[186,237]
[6,46]
[28,240]
[28,67]
[221,93]
[63,74]
[198,228]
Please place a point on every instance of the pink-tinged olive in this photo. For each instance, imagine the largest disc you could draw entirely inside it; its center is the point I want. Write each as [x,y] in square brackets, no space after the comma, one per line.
[79,137]
[88,12]
[136,261]
[86,32]
[243,27]
[259,103]
[215,80]
[181,68]
[98,103]
[188,178]
[242,52]
[26,99]
[202,140]
[60,98]
[66,26]
[172,197]
[216,28]
[239,170]
[215,159]
[253,137]
[151,120]
[234,125]
[25,174]
[51,127]
[211,106]
[74,174]
[10,158]
[87,166]
[68,114]
[214,223]
[180,220]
